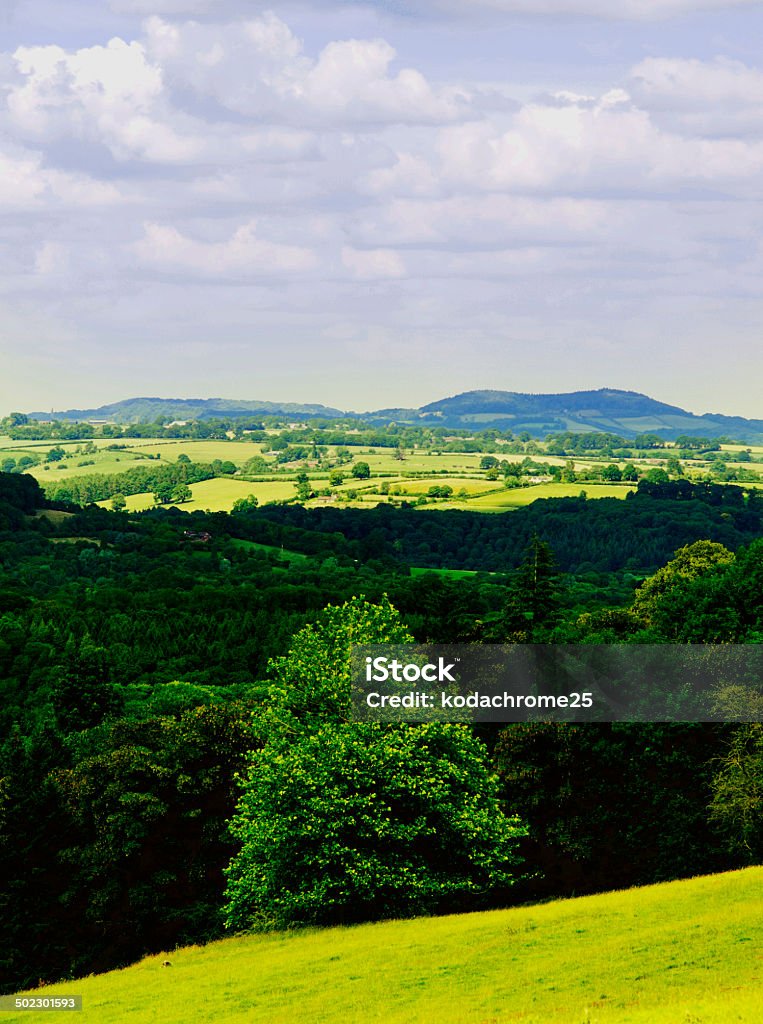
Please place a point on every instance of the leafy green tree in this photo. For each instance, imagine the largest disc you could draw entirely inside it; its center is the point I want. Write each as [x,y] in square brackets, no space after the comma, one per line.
[336,477]
[356,823]
[245,504]
[302,483]
[344,822]
[690,562]
[657,476]
[118,503]
[737,806]
[55,454]
[361,471]
[180,492]
[257,464]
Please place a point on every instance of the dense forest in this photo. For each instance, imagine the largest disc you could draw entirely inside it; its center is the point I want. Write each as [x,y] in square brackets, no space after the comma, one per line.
[146,659]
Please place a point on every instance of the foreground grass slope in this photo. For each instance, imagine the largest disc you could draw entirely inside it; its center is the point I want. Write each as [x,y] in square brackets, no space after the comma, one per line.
[687,952]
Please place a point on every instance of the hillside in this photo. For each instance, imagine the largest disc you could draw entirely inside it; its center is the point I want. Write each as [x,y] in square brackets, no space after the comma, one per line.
[133,410]
[625,413]
[677,953]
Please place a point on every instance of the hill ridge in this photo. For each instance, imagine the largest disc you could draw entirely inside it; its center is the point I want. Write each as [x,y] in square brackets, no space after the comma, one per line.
[623,412]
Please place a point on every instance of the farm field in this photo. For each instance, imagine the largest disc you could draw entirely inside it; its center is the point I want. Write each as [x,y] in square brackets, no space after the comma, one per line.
[408,479]
[217,495]
[676,953]
[499,501]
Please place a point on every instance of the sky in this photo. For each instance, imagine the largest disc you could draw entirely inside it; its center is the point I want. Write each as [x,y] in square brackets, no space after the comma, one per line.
[381,204]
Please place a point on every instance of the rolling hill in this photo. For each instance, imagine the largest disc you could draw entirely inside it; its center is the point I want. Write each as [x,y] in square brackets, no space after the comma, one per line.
[626,413]
[684,952]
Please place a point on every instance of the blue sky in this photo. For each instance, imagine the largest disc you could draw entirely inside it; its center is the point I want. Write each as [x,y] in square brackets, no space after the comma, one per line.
[380,204]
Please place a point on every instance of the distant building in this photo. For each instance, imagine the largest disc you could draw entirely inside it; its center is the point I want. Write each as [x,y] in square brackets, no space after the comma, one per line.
[200,536]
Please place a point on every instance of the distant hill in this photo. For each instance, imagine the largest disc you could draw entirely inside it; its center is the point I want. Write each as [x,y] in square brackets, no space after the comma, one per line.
[135,410]
[626,413]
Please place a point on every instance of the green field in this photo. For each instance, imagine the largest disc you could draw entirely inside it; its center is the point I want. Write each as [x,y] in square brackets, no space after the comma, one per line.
[517,497]
[217,495]
[678,953]
[117,461]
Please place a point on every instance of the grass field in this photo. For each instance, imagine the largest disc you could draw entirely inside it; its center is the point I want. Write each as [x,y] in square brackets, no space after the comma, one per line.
[679,953]
[500,501]
[217,495]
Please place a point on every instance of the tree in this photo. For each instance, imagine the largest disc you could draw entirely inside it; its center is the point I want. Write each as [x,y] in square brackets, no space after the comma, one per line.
[737,807]
[611,472]
[361,471]
[342,822]
[336,477]
[118,503]
[245,504]
[257,464]
[688,564]
[534,594]
[55,454]
[180,492]
[361,822]
[302,483]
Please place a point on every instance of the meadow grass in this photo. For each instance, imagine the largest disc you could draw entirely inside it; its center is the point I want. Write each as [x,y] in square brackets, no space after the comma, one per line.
[220,493]
[683,952]
[517,497]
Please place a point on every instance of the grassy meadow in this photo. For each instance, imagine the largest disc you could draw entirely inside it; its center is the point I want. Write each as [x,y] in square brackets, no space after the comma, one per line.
[686,952]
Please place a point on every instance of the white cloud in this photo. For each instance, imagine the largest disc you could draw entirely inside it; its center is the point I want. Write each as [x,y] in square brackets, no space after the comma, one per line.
[373,263]
[243,255]
[720,96]
[409,175]
[109,95]
[612,145]
[26,184]
[258,68]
